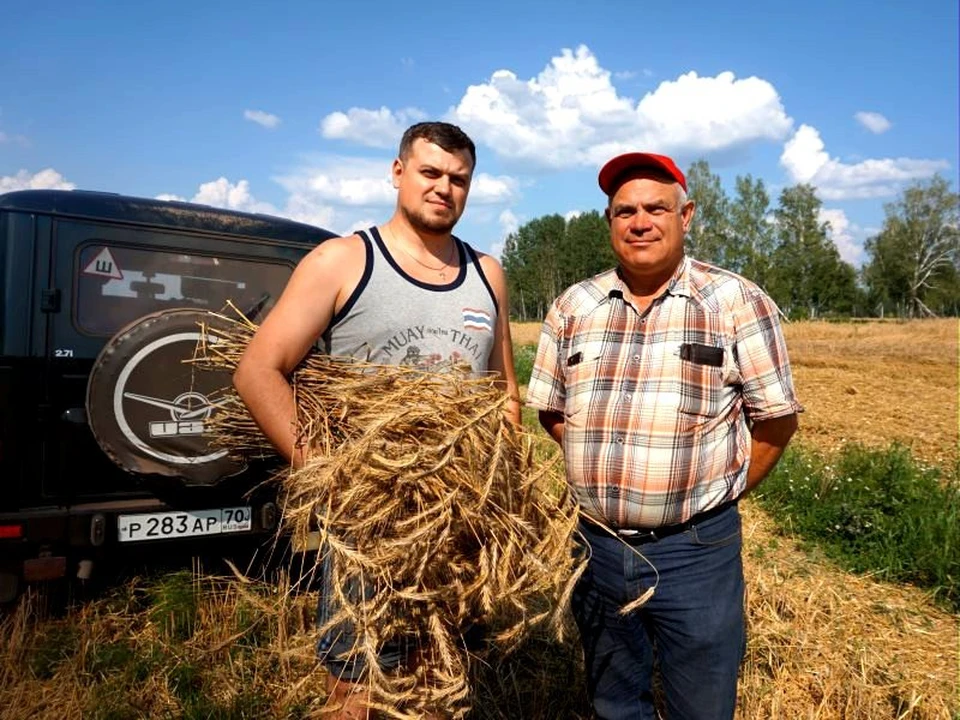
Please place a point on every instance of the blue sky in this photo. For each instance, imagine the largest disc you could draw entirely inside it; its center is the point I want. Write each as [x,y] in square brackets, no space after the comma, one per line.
[295,108]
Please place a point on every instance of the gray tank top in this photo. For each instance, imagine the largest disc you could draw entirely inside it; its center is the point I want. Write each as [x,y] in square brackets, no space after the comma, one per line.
[394,319]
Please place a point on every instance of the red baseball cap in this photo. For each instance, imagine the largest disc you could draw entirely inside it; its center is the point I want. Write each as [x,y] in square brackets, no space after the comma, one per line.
[615,168]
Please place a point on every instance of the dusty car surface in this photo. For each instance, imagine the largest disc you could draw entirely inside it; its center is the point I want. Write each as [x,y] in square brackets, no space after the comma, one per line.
[102,443]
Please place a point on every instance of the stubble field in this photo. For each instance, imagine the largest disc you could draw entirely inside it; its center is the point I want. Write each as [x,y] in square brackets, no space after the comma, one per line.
[822,643]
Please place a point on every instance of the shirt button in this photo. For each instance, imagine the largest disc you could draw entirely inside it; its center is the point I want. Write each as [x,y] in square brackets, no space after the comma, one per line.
[619,441]
[636,358]
[627,397]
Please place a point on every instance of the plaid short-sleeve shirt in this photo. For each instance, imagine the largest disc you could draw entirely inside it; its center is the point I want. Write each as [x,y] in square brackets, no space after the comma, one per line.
[656,405]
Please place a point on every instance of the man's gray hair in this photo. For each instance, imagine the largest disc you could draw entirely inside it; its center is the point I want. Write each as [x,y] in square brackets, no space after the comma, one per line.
[681,196]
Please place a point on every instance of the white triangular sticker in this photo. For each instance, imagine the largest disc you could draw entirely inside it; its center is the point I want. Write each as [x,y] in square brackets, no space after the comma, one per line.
[104,265]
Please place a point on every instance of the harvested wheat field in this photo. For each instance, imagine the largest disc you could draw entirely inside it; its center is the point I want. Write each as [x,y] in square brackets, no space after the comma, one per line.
[822,643]
[826,644]
[876,382]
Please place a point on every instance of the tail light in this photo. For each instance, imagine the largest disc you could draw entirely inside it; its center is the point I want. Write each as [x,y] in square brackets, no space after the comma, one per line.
[11,532]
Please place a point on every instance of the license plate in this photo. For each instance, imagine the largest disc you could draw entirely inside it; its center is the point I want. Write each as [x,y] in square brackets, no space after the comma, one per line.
[187,523]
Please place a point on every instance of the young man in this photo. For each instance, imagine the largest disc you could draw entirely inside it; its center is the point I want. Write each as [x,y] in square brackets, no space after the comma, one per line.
[667,383]
[399,293]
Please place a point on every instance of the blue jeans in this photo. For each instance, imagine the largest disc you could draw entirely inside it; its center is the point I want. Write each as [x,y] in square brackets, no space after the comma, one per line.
[693,627]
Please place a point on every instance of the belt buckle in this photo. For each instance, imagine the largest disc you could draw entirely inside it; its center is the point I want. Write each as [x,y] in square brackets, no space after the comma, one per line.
[639,535]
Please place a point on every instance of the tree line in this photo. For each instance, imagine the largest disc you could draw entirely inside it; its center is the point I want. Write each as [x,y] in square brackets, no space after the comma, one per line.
[912,266]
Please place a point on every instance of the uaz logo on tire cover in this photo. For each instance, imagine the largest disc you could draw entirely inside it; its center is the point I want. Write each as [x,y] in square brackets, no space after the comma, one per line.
[149,406]
[187,411]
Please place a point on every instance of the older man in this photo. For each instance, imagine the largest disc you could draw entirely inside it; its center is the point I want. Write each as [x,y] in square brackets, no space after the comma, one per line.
[667,383]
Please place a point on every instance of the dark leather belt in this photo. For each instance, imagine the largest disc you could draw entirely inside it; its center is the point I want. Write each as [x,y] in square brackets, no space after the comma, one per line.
[641,536]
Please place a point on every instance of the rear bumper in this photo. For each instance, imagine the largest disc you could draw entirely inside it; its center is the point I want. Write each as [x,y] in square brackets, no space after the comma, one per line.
[95,524]
[53,540]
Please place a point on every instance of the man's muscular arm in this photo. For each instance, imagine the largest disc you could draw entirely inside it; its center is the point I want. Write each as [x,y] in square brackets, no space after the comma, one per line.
[300,316]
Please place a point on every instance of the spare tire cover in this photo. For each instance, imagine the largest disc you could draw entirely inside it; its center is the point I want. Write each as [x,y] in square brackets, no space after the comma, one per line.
[148,407]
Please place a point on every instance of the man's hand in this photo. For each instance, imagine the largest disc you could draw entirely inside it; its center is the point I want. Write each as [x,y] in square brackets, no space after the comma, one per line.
[552,422]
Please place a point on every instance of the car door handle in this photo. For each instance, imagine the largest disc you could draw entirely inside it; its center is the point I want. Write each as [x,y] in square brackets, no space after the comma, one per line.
[76,415]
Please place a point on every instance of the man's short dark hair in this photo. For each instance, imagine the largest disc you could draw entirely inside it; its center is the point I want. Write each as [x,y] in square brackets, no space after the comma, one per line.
[449,137]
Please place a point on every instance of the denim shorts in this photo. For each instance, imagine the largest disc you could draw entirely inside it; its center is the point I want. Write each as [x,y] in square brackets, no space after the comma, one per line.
[335,646]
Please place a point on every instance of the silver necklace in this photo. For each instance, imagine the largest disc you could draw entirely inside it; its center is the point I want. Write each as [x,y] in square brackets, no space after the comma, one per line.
[440,270]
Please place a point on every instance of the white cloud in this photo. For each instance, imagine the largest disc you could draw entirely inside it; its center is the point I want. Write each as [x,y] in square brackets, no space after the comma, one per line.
[47,179]
[337,193]
[363,182]
[237,196]
[807,161]
[307,210]
[572,215]
[487,189]
[571,114]
[233,196]
[846,236]
[359,182]
[375,128]
[509,222]
[872,121]
[262,118]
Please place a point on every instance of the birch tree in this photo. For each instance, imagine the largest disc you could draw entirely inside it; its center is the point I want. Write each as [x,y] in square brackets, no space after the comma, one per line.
[916,255]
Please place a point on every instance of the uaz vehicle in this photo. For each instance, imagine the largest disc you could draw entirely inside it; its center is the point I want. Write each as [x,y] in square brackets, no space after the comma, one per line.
[101,437]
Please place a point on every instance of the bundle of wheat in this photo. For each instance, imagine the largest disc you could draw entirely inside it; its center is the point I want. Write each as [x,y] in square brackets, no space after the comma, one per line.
[428,499]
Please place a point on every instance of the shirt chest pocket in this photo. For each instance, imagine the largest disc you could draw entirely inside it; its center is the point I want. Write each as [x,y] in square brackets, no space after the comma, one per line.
[705,376]
[582,375]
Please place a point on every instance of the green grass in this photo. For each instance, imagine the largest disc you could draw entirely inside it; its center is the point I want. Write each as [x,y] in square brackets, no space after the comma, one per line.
[873,510]
[58,644]
[523,357]
[531,419]
[174,602]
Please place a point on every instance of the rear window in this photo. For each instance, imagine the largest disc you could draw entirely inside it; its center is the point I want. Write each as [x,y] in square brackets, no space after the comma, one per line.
[115,284]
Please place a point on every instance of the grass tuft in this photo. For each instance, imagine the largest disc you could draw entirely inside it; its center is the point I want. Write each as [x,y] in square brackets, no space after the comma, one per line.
[876,511]
[523,357]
